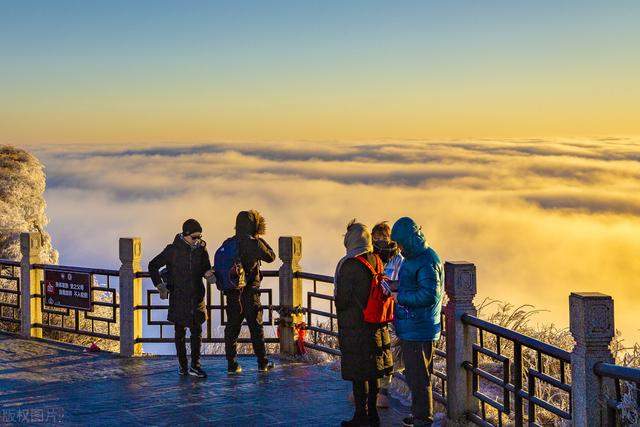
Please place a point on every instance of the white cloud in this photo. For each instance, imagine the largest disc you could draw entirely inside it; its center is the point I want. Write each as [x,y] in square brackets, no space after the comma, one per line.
[539,218]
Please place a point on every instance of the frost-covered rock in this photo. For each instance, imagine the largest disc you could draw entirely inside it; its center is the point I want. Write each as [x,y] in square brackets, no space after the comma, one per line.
[22,204]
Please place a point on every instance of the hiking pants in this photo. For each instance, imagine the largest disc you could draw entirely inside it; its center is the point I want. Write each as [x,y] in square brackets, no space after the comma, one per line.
[418,364]
[196,342]
[244,305]
[365,395]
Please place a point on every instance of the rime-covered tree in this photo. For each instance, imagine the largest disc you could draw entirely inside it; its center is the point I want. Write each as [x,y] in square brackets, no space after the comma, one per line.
[22,204]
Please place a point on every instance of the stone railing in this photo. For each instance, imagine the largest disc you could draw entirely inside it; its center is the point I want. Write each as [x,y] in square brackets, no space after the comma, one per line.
[521,366]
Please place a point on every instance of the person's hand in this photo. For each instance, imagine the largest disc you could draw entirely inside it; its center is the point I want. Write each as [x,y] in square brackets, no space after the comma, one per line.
[164,292]
[210,277]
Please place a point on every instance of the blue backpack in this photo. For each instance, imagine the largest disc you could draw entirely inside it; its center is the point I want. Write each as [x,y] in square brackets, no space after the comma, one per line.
[227,266]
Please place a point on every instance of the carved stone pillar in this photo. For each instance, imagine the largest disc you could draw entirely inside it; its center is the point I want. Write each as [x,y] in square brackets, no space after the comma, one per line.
[290,252]
[30,278]
[592,327]
[130,296]
[460,285]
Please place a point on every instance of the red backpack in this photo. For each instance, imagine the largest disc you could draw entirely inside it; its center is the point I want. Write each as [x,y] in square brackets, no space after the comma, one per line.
[380,305]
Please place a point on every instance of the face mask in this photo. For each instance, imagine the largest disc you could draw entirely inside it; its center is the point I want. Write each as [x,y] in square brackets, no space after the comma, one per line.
[382,243]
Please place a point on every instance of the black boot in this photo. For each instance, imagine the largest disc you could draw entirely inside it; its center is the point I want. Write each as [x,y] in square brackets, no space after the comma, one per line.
[359,419]
[360,400]
[233,367]
[265,365]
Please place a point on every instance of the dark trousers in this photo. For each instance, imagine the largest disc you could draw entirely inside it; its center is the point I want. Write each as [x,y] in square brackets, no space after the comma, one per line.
[365,396]
[244,305]
[418,365]
[196,343]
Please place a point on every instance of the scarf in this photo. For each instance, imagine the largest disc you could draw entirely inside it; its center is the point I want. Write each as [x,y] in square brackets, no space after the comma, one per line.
[386,249]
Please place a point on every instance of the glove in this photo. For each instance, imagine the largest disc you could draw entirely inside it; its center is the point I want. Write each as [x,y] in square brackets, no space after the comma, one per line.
[164,292]
[211,280]
[210,277]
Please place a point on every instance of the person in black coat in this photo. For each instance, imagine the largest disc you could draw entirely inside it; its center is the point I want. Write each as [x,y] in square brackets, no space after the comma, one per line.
[245,303]
[187,262]
[366,348]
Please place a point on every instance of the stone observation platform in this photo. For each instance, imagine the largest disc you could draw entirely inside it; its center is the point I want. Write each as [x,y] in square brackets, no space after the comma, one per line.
[44,382]
[484,373]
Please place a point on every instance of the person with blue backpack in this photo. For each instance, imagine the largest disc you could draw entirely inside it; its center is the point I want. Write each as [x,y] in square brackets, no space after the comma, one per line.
[185,263]
[237,271]
[417,315]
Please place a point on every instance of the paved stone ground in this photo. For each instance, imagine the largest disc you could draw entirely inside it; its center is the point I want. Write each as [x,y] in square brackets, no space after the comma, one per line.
[45,382]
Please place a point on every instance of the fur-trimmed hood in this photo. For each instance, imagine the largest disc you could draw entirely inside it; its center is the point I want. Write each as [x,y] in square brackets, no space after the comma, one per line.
[250,223]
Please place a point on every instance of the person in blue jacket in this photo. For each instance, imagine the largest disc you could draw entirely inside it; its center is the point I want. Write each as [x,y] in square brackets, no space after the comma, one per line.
[417,317]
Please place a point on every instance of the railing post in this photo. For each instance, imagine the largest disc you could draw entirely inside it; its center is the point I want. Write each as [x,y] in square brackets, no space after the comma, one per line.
[130,296]
[290,252]
[30,308]
[591,324]
[460,285]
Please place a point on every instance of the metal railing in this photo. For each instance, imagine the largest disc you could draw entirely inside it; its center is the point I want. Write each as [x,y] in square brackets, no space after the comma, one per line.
[320,330]
[631,376]
[520,357]
[514,379]
[151,308]
[10,294]
[101,322]
[440,353]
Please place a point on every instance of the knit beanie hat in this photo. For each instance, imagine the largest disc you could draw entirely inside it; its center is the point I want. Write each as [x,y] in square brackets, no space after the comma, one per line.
[191,226]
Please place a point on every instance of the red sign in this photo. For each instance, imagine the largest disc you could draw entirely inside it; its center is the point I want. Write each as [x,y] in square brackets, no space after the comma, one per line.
[68,289]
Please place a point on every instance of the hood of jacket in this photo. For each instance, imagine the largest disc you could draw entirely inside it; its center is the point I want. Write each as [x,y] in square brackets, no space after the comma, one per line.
[409,235]
[250,223]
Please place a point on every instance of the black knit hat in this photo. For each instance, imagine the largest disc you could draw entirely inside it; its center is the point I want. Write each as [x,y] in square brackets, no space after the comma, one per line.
[191,226]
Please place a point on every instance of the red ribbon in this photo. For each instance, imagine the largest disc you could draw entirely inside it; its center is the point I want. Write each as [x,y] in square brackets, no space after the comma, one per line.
[301,329]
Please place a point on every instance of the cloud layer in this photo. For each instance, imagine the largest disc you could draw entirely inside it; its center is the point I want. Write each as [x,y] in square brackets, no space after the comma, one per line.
[540,218]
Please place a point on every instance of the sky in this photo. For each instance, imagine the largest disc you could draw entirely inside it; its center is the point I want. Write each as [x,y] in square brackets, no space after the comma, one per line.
[166,71]
[540,218]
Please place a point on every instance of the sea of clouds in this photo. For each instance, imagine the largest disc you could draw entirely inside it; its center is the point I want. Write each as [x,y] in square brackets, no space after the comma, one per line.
[539,218]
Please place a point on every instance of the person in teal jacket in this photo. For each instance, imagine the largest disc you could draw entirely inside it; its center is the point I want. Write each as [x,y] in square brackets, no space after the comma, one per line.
[417,316]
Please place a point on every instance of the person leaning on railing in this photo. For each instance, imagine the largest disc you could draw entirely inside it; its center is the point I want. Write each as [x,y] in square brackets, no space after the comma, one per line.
[366,347]
[187,262]
[417,315]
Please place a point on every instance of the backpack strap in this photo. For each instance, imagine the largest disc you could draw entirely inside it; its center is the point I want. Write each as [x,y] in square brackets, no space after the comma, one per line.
[375,271]
[379,264]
